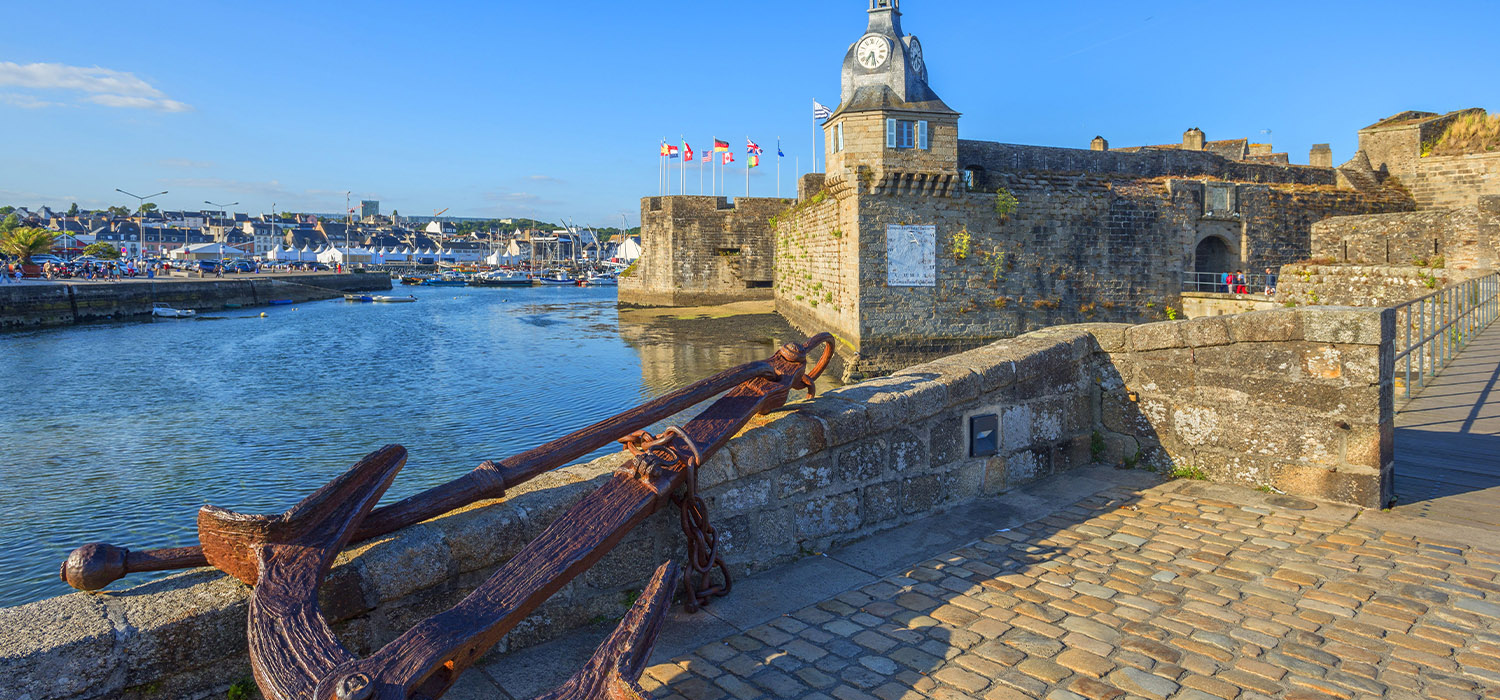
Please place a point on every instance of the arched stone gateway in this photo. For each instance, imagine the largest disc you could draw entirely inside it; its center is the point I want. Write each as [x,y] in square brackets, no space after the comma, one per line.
[1212,258]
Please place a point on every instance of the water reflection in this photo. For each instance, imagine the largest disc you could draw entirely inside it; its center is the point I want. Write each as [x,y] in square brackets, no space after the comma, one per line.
[118,433]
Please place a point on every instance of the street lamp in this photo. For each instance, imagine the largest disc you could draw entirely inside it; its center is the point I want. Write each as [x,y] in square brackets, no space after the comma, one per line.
[141,202]
[222,208]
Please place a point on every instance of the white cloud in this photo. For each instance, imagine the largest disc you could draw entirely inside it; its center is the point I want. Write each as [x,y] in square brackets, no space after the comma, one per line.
[110,88]
[544,178]
[24,101]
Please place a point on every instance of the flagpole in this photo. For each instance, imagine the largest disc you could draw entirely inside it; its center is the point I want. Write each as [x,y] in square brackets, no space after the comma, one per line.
[778,167]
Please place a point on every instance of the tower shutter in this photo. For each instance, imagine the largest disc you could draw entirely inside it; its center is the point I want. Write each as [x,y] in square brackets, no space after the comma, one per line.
[890,133]
[922,136]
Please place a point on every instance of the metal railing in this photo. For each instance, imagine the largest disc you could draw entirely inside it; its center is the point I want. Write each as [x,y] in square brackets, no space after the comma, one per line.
[1214,283]
[1432,330]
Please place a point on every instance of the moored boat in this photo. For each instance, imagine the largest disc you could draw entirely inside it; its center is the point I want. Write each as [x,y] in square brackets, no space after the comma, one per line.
[364,298]
[601,280]
[393,300]
[556,278]
[164,311]
[500,279]
[412,280]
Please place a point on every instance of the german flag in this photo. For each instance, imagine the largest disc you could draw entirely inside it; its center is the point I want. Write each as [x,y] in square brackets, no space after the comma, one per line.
[721,146]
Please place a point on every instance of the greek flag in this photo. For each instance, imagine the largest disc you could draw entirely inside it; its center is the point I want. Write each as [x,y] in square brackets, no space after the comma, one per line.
[821,112]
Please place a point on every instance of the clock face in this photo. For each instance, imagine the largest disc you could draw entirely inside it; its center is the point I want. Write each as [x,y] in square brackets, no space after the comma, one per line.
[873,51]
[914,49]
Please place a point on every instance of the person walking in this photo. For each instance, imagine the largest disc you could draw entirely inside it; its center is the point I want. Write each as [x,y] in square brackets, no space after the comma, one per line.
[1270,283]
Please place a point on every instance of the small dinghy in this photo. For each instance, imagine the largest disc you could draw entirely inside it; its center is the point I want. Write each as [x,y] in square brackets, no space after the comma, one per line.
[362,298]
[164,311]
[392,300]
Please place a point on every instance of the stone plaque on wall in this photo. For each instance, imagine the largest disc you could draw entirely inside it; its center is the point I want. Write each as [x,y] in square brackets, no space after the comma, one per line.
[911,256]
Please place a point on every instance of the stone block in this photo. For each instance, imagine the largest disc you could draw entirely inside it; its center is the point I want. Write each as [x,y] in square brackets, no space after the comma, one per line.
[822,517]
[1372,446]
[882,503]
[180,622]
[770,442]
[1109,337]
[1206,332]
[398,565]
[805,476]
[482,534]
[954,373]
[968,480]
[862,462]
[995,476]
[923,493]
[1348,325]
[741,495]
[1272,326]
[947,439]
[909,451]
[843,420]
[1354,485]
[1156,336]
[60,648]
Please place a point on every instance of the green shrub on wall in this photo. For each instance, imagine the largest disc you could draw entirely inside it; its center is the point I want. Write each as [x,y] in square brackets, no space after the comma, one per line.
[1005,203]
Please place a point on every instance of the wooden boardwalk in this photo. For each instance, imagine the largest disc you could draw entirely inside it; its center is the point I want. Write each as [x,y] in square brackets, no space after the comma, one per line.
[1448,441]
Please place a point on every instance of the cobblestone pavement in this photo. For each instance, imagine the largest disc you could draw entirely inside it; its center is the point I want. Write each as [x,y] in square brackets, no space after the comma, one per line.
[1137,595]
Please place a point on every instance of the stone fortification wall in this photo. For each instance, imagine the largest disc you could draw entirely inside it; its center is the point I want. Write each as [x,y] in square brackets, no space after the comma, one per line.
[1078,248]
[703,250]
[1148,163]
[1446,182]
[1307,284]
[1296,400]
[1466,238]
[35,304]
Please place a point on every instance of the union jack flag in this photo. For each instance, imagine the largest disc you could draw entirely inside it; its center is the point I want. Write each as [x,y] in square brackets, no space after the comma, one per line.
[750,146]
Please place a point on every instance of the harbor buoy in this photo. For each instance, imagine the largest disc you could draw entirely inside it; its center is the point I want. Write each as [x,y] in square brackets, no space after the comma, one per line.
[262,314]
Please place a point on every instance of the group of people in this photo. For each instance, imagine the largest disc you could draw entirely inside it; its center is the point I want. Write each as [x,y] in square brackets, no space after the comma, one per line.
[13,273]
[100,270]
[1238,283]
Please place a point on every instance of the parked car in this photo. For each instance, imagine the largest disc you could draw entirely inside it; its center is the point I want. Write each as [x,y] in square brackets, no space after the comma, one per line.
[317,266]
[240,266]
[44,259]
[206,266]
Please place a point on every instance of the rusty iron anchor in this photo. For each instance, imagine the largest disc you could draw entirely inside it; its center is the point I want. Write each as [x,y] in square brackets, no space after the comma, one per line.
[285,557]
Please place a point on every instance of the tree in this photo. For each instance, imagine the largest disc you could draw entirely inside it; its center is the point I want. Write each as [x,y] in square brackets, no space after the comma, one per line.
[148,207]
[10,223]
[23,243]
[7,211]
[73,210]
[119,211]
[102,250]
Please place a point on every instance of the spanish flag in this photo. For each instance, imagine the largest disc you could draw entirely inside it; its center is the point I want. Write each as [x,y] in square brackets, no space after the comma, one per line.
[721,146]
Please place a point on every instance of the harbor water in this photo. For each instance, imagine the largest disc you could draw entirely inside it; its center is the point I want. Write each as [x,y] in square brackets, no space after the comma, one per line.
[119,432]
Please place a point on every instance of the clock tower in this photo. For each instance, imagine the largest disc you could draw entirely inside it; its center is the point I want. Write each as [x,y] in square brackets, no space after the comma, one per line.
[889,121]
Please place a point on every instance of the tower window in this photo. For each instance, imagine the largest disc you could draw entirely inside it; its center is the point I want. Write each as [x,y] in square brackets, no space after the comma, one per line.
[900,133]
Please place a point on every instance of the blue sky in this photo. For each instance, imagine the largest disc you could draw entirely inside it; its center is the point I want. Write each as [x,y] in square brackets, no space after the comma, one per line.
[555,109]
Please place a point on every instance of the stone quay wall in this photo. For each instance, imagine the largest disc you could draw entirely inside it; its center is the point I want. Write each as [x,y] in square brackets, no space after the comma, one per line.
[703,250]
[1079,248]
[1297,400]
[1466,237]
[36,304]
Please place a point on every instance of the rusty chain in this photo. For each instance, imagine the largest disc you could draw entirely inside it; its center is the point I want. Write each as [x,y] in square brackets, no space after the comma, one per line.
[702,538]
